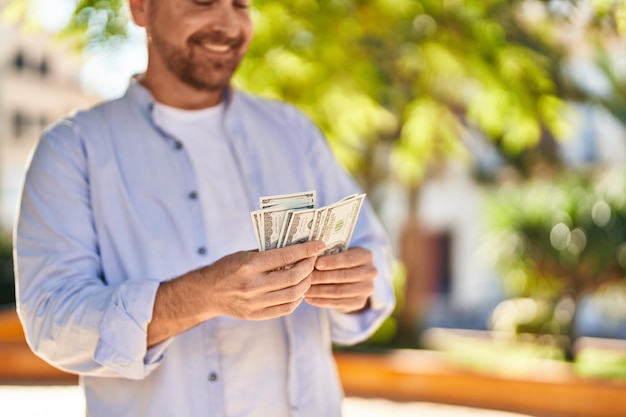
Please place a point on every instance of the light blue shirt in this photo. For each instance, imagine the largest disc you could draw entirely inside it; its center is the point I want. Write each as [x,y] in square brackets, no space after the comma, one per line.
[110,209]
[204,137]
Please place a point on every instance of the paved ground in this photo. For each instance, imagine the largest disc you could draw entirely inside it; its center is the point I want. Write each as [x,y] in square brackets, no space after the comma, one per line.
[66,401]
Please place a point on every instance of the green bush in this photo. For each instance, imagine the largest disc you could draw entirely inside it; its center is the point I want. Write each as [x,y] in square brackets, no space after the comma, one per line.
[562,235]
[554,241]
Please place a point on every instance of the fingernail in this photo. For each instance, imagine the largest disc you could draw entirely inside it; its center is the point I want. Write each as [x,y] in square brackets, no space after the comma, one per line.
[320,246]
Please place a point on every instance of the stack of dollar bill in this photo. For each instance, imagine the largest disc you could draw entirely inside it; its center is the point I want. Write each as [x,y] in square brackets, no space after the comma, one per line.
[287,219]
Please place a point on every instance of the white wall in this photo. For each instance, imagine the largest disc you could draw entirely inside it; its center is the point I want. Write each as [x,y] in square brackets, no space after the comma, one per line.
[38,98]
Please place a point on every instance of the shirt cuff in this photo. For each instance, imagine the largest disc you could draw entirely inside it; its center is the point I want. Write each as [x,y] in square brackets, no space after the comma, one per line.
[122,345]
[352,328]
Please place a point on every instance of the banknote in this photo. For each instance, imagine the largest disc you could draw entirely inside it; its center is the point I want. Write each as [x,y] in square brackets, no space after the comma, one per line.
[289,199]
[273,223]
[269,221]
[287,219]
[256,223]
[339,222]
[298,227]
[318,223]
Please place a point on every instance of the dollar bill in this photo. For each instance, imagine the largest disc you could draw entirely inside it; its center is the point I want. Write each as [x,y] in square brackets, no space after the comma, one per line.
[298,227]
[339,222]
[304,198]
[270,221]
[273,221]
[256,223]
[318,222]
[287,219]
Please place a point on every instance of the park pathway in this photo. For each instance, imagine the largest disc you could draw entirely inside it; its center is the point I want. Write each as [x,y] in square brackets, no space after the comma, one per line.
[67,401]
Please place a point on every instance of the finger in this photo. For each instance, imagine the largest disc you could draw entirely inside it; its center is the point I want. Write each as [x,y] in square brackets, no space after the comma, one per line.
[278,258]
[348,259]
[338,291]
[253,308]
[279,279]
[342,276]
[284,301]
[288,294]
[276,310]
[343,305]
[283,309]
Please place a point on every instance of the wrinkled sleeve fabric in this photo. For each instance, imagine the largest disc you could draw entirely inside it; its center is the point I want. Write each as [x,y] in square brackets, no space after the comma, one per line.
[334,183]
[72,318]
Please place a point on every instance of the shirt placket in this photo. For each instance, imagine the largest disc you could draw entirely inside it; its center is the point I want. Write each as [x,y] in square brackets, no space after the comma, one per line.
[253,181]
[214,386]
[190,192]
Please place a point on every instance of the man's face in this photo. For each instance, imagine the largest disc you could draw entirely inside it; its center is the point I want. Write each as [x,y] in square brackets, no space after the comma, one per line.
[201,42]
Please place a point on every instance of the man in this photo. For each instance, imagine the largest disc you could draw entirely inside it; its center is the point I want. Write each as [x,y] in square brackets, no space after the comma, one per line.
[132,244]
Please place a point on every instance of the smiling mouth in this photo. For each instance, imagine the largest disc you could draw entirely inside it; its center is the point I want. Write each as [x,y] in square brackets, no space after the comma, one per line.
[213,47]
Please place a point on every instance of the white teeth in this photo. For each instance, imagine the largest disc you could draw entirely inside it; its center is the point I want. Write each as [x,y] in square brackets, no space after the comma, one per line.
[215,48]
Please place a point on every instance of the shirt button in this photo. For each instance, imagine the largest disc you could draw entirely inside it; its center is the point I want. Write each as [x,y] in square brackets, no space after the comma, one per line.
[201,250]
[213,377]
[178,144]
[193,195]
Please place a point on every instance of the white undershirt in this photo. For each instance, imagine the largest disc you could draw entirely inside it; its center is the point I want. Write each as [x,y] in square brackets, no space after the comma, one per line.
[248,362]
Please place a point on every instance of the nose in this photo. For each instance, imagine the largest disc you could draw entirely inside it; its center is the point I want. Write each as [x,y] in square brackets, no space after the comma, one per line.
[226,19]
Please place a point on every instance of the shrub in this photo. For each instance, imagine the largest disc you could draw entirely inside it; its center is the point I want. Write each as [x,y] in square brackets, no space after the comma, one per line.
[556,240]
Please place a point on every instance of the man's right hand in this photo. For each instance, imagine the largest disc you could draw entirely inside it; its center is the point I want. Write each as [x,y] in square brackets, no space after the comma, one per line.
[249,285]
[257,285]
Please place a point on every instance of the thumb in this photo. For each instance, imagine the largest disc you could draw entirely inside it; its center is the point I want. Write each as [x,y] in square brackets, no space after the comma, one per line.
[281,257]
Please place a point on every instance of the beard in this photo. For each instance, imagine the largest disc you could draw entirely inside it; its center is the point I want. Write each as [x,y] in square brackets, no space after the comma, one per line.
[190,65]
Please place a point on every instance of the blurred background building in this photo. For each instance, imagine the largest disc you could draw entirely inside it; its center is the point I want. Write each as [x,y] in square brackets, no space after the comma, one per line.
[39,83]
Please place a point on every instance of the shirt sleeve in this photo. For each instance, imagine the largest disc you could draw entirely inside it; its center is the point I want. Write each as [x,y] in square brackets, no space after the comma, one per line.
[334,183]
[352,328]
[71,317]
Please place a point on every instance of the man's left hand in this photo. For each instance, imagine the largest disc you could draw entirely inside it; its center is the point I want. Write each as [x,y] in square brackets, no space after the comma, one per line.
[343,281]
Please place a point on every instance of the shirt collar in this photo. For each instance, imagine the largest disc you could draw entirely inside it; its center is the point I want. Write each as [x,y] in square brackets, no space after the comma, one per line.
[142,96]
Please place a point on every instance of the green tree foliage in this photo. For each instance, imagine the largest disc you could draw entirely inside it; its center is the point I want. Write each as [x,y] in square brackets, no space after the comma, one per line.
[405,79]
[395,83]
[555,242]
[98,22]
[570,231]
